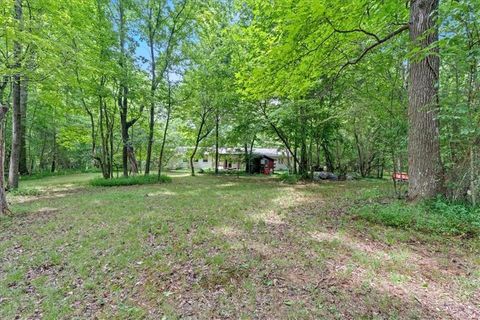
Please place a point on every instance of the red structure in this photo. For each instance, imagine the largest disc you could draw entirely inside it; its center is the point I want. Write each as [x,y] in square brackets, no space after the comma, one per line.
[262,164]
[268,165]
[400,176]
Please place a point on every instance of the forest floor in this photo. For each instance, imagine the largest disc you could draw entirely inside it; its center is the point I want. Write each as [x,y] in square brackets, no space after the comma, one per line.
[211,247]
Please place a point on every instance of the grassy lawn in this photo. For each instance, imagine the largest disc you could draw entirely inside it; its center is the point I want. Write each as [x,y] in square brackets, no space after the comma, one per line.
[211,247]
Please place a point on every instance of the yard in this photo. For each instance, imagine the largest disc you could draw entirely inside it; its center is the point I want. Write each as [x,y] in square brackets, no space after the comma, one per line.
[211,247]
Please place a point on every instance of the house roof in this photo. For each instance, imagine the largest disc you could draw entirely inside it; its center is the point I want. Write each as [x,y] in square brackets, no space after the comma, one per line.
[269,152]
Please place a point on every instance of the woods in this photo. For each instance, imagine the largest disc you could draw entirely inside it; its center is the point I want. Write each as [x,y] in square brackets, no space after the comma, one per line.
[239,159]
[358,88]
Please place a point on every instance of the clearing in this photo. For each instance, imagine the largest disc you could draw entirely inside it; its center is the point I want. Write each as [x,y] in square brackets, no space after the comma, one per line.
[225,248]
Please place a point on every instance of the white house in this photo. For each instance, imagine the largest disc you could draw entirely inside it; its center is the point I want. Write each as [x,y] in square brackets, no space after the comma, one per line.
[229,158]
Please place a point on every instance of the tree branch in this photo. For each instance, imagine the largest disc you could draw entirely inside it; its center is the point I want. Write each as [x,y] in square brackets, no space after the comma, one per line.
[373,46]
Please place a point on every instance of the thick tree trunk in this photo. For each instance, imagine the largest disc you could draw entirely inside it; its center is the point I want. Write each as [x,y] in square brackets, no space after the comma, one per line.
[425,167]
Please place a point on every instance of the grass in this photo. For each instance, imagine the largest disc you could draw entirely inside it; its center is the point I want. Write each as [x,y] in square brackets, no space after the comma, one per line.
[129,181]
[434,217]
[46,174]
[225,247]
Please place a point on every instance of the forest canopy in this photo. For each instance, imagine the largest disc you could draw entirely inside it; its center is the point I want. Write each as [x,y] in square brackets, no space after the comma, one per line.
[364,87]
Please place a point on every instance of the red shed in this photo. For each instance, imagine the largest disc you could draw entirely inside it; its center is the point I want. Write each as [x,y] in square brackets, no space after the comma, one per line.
[263,164]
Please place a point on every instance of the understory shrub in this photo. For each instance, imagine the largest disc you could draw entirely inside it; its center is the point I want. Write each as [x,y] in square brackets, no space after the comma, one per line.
[437,217]
[25,192]
[129,181]
[289,178]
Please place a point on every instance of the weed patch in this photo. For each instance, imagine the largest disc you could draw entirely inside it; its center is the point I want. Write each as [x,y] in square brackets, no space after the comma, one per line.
[129,181]
[435,217]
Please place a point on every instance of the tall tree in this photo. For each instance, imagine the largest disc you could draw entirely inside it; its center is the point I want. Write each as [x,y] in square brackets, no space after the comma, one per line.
[424,162]
[17,88]
[3,113]
[163,25]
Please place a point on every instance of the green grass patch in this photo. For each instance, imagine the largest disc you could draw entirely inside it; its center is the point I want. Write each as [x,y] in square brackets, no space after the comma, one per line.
[128,253]
[25,192]
[129,181]
[434,217]
[65,172]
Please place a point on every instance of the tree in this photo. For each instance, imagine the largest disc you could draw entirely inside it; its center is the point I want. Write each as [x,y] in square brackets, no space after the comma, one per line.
[3,112]
[19,94]
[424,162]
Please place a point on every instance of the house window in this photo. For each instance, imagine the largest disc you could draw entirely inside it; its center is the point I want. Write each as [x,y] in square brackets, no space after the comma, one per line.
[196,160]
[205,159]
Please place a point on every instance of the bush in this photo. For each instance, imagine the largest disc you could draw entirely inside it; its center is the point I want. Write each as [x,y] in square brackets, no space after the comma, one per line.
[64,172]
[289,178]
[436,217]
[129,181]
[25,192]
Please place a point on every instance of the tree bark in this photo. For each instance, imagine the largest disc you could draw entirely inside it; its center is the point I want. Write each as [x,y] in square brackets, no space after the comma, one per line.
[153,85]
[165,131]
[3,112]
[23,167]
[425,166]
[17,112]
[3,200]
[303,164]
[197,142]
[217,122]
[123,91]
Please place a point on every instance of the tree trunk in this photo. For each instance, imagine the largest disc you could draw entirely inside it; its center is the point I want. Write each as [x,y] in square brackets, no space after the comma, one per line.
[3,112]
[23,166]
[151,127]
[197,142]
[303,165]
[17,112]
[165,131]
[123,90]
[217,120]
[54,152]
[425,167]
[3,200]
[16,135]
[247,160]
[153,85]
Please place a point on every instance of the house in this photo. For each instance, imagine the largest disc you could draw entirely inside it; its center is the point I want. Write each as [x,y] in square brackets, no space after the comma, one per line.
[273,159]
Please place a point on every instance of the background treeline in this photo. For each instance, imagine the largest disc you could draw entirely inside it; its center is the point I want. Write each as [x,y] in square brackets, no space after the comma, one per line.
[358,86]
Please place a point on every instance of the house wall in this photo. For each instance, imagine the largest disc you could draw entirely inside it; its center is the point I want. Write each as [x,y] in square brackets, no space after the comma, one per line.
[178,162]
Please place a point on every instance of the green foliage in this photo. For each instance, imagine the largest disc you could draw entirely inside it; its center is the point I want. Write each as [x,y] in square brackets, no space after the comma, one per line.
[62,172]
[434,217]
[129,181]
[25,192]
[289,178]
